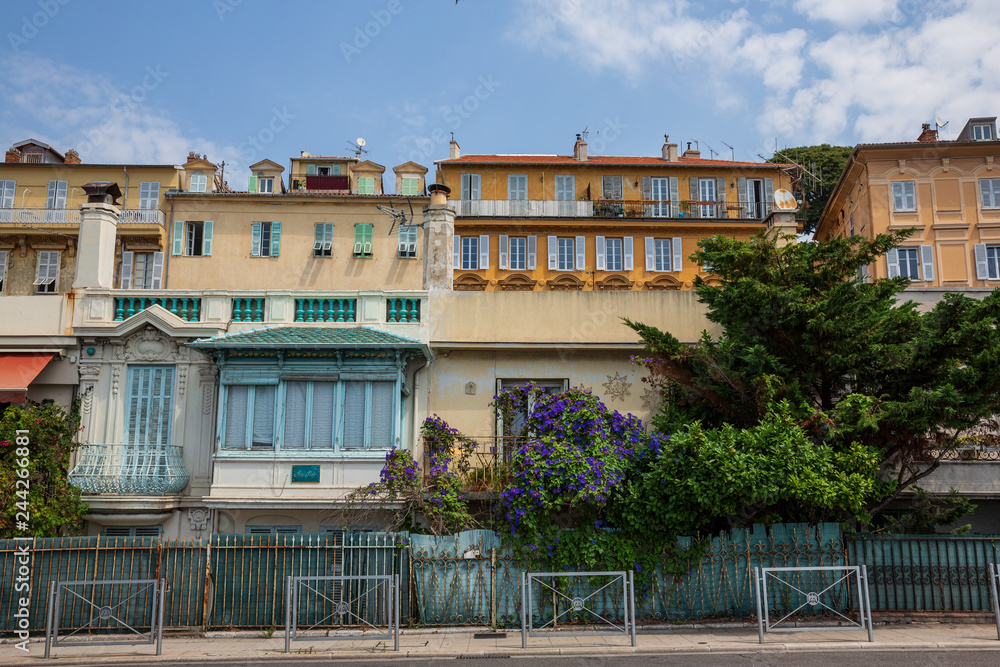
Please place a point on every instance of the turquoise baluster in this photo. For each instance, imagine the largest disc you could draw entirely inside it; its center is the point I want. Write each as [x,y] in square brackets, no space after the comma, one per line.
[195,310]
[119,309]
[350,310]
[310,311]
[183,312]
[247,317]
[324,311]
[414,312]
[392,310]
[258,313]
[236,310]
[131,308]
[298,310]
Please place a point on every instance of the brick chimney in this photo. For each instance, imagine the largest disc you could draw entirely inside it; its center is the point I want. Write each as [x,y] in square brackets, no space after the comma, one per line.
[669,150]
[13,155]
[927,135]
[454,150]
[580,149]
[72,157]
[691,153]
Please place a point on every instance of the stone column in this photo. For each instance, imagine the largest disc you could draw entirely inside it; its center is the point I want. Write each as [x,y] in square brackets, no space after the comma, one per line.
[439,240]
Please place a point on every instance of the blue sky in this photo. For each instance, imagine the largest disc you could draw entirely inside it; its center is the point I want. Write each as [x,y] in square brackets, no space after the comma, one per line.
[243,80]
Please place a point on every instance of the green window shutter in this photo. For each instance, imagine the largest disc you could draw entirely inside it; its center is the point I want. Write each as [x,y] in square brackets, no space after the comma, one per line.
[368,233]
[178,245]
[359,239]
[310,170]
[206,243]
[252,184]
[255,239]
[275,239]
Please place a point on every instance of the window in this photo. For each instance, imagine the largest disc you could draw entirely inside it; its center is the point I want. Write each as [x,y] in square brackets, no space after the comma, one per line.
[366,185]
[562,253]
[611,187]
[470,252]
[913,263]
[566,252]
[987,261]
[707,193]
[323,240]
[199,182]
[265,185]
[3,269]
[613,255]
[660,193]
[56,198]
[149,195]
[265,239]
[407,241]
[311,415]
[517,194]
[325,170]
[141,270]
[863,274]
[47,272]
[192,238]
[33,157]
[904,196]
[514,425]
[989,192]
[566,194]
[273,530]
[363,239]
[659,256]
[7,189]
[982,132]
[470,186]
[518,253]
[410,186]
[150,405]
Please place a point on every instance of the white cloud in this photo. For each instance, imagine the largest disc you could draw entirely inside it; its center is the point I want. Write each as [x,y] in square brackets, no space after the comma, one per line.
[849,12]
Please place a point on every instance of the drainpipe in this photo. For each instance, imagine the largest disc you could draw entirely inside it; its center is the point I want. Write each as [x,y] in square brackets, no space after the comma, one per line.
[167,250]
[125,199]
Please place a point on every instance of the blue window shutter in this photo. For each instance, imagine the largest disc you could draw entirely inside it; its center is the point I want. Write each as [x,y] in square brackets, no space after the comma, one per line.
[600,253]
[675,197]
[982,263]
[310,170]
[627,263]
[532,252]
[206,243]
[275,239]
[255,239]
[503,252]
[457,253]
[178,245]
[553,252]
[581,253]
[484,251]
[650,258]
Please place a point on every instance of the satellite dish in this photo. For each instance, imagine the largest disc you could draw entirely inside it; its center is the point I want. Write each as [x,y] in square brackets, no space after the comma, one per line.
[361,142]
[940,123]
[784,200]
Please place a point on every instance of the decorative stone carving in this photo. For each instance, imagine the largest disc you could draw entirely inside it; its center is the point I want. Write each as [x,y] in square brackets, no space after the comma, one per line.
[566,283]
[617,386]
[89,371]
[198,517]
[116,377]
[615,283]
[470,282]
[663,283]
[182,376]
[517,282]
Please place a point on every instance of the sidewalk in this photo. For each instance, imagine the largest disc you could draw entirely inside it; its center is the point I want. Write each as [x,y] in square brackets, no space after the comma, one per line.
[451,644]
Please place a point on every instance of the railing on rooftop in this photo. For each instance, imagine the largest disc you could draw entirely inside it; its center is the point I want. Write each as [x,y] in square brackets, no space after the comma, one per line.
[132,470]
[342,183]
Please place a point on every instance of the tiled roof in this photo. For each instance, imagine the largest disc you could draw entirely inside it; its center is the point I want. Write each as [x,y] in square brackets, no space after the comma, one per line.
[599,160]
[308,337]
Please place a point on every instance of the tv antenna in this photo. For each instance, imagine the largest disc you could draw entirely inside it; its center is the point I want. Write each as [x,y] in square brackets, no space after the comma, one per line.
[732,151]
[399,216]
[586,132]
[711,151]
[358,147]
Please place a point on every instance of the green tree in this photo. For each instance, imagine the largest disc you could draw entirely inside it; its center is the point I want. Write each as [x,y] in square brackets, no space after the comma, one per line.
[856,365]
[42,449]
[826,162]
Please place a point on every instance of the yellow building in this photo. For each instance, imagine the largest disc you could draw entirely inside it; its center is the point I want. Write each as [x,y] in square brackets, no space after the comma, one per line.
[949,191]
[580,222]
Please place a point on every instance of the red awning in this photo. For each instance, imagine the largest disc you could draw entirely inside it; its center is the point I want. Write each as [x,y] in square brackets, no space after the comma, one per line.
[17,370]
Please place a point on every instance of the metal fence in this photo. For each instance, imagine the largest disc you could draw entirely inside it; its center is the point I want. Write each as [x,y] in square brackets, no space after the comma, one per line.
[226,581]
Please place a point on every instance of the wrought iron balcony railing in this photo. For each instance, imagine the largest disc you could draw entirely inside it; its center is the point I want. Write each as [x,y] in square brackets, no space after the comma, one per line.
[611,208]
[488,462]
[131,470]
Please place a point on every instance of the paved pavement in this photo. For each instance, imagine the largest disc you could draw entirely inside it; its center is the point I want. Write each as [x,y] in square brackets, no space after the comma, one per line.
[434,646]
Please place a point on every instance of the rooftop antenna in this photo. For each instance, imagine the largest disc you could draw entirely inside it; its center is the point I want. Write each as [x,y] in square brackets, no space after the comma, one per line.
[399,216]
[732,151]
[586,132]
[222,175]
[358,147]
[939,123]
[711,151]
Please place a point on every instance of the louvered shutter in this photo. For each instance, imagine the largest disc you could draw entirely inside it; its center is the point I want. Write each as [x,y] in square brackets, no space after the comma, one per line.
[553,253]
[720,196]
[456,259]
[126,277]
[768,204]
[275,239]
[892,262]
[650,254]
[986,197]
[237,401]
[743,195]
[262,435]
[149,195]
[599,241]
[255,234]
[678,254]
[627,263]
[532,252]
[310,170]
[3,268]
[695,197]
[294,436]
[366,237]
[7,193]
[252,184]
[910,195]
[982,264]
[647,195]
[354,415]
[675,197]
[382,415]
[321,429]
[927,262]
[484,251]
[503,252]
[157,280]
[178,244]
[206,238]
[581,253]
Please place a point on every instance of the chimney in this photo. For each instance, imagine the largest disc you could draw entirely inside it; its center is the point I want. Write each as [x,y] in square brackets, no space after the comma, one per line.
[72,157]
[669,150]
[691,153]
[927,135]
[13,155]
[95,260]
[454,150]
[580,149]
[439,240]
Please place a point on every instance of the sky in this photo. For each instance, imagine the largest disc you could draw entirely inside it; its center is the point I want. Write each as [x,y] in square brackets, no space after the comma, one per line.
[244,80]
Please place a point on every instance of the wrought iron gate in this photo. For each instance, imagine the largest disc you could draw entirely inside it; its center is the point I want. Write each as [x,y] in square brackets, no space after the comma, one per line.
[368,603]
[582,599]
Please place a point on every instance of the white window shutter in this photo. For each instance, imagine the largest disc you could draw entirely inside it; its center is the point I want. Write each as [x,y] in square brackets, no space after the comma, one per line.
[484,251]
[892,262]
[157,282]
[457,253]
[126,277]
[206,236]
[982,266]
[927,261]
[650,257]
[678,258]
[600,252]
[911,196]
[532,252]
[503,252]
[675,197]
[768,196]
[553,253]
[255,239]
[985,193]
[178,244]
[627,264]
[3,267]
[581,253]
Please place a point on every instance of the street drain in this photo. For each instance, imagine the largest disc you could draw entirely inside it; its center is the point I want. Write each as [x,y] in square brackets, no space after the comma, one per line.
[490,635]
[482,656]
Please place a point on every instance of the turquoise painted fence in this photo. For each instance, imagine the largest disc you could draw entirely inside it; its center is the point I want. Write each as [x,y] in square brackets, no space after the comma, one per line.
[926,572]
[468,579]
[227,581]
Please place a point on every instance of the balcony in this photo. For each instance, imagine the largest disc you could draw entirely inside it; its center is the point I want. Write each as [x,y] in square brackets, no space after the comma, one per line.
[71,216]
[130,470]
[322,183]
[610,208]
[148,216]
[522,208]
[488,462]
